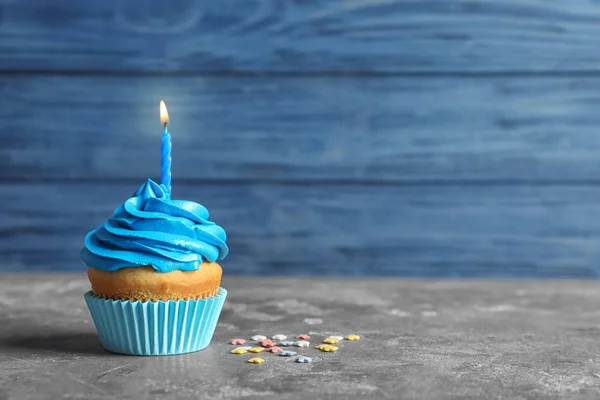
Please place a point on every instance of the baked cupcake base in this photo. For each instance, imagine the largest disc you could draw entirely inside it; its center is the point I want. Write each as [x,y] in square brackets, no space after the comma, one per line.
[146,284]
[154,328]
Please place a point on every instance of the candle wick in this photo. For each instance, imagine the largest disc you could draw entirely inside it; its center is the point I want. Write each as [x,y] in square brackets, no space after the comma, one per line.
[166,124]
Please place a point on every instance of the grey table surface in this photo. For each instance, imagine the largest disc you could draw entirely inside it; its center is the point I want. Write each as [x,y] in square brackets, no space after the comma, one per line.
[420,339]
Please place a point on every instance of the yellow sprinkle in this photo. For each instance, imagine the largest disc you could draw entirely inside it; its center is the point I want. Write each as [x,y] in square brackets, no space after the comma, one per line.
[352,337]
[239,350]
[256,360]
[256,349]
[330,340]
[327,347]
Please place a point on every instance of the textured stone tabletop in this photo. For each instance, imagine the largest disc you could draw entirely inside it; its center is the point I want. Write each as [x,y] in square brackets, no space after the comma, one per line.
[420,339]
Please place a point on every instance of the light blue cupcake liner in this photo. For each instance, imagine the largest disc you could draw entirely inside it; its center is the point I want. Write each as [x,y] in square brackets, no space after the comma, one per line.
[155,328]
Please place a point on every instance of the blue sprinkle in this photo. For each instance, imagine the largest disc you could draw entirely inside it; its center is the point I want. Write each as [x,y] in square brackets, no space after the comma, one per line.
[287,353]
[303,359]
[286,343]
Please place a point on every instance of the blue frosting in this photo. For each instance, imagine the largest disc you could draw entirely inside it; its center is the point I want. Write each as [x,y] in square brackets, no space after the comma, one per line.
[151,229]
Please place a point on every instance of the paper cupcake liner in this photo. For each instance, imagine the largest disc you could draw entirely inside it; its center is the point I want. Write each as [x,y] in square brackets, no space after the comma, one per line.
[155,328]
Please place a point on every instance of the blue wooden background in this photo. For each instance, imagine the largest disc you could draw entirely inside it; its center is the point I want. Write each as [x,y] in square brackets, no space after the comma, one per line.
[368,137]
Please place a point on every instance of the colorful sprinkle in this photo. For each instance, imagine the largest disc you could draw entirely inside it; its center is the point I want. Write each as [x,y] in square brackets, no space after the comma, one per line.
[330,340]
[239,350]
[327,348]
[339,338]
[256,338]
[286,343]
[287,353]
[353,337]
[266,343]
[245,347]
[256,360]
[303,336]
[302,343]
[279,337]
[238,341]
[275,350]
[256,349]
[303,359]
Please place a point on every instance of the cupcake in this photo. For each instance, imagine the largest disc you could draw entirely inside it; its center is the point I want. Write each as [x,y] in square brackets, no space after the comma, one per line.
[155,281]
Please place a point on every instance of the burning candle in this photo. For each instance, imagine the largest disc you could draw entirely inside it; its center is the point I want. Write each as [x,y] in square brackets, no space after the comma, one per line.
[165,160]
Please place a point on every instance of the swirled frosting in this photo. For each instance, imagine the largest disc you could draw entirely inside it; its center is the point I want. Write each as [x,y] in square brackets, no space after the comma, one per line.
[151,229]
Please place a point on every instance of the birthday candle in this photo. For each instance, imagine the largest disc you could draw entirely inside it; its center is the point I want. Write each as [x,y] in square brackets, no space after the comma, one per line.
[165,160]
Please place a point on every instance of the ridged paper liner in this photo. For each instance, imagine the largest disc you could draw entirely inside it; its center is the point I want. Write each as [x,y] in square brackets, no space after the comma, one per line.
[155,328]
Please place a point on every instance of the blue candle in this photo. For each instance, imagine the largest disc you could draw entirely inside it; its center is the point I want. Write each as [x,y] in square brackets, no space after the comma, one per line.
[165,160]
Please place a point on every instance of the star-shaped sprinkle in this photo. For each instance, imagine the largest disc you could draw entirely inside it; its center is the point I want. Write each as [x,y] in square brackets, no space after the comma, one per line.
[256,360]
[286,343]
[287,353]
[339,338]
[256,349]
[303,359]
[279,337]
[256,338]
[239,350]
[327,348]
[275,350]
[330,340]
[302,343]
[266,343]
[303,336]
[238,341]
[353,337]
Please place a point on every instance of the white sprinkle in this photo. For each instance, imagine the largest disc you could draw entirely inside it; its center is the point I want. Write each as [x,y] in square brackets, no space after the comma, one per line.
[398,313]
[302,343]
[339,338]
[279,337]
[256,338]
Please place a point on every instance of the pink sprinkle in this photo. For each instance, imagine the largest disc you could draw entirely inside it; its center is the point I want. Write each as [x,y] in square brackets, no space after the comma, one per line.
[275,350]
[238,341]
[303,336]
[266,343]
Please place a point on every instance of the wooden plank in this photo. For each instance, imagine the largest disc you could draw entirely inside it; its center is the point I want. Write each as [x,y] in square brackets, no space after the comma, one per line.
[336,230]
[395,36]
[398,130]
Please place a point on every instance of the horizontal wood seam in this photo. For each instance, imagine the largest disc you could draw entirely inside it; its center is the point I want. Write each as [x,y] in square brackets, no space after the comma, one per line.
[302,74]
[312,182]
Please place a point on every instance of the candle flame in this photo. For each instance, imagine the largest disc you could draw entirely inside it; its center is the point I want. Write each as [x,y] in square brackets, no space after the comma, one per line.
[164,114]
